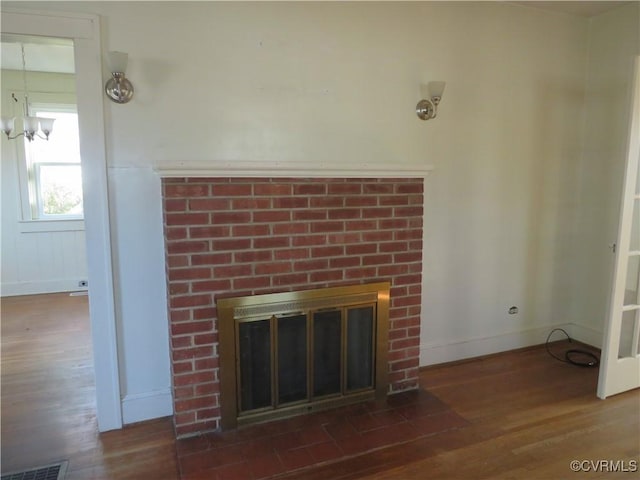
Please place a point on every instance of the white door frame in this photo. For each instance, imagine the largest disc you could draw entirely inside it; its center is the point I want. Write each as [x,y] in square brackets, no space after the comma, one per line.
[84,30]
[622,373]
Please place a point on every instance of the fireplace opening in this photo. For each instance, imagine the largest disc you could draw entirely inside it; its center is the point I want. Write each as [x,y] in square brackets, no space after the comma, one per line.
[289,353]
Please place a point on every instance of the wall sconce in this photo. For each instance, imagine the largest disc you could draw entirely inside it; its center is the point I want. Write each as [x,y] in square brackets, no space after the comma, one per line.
[118,88]
[428,108]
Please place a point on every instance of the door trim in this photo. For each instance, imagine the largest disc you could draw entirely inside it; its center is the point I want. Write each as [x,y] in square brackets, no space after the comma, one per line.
[620,374]
[84,30]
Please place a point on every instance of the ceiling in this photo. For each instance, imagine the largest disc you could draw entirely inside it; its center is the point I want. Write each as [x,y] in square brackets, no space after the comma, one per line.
[56,55]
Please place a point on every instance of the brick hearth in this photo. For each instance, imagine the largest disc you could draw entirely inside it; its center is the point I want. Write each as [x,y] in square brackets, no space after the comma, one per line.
[242,236]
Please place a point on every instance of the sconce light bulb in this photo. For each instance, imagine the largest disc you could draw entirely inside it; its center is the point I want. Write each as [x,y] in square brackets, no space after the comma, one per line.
[436,89]
[118,62]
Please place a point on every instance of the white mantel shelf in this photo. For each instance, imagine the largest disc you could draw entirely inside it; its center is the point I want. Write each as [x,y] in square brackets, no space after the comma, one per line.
[279,170]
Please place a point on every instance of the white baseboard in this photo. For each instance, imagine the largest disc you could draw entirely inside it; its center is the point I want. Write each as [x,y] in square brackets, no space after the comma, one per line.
[146,406]
[587,335]
[432,354]
[12,289]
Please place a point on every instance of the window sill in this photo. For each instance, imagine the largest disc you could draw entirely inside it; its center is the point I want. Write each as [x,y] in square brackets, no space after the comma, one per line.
[40,226]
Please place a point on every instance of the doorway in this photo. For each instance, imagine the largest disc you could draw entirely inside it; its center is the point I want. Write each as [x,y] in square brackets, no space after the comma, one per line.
[43,241]
[48,386]
[84,32]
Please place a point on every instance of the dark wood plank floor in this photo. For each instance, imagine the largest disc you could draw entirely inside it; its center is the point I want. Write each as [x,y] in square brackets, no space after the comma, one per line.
[530,415]
[48,398]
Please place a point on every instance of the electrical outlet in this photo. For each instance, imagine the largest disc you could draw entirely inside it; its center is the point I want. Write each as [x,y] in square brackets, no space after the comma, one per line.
[513,310]
[83,283]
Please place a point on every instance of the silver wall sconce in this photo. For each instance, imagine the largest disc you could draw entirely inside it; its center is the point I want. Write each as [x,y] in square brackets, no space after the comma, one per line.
[118,88]
[428,107]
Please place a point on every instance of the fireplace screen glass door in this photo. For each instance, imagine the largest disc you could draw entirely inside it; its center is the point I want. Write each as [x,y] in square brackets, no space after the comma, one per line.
[275,368]
[291,362]
[292,359]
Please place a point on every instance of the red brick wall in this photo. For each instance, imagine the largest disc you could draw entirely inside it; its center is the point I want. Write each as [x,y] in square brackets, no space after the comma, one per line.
[241,236]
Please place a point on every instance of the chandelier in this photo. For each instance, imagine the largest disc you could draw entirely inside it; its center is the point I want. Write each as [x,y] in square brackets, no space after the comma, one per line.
[32,126]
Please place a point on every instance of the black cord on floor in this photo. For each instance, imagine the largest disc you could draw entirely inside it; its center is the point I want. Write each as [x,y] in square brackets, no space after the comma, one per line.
[569,356]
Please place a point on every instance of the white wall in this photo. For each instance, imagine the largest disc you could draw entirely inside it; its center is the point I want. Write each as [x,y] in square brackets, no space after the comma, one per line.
[498,208]
[37,256]
[614,40]
[141,308]
[320,83]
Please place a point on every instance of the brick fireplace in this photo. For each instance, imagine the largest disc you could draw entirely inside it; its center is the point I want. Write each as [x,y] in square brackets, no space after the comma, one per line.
[227,237]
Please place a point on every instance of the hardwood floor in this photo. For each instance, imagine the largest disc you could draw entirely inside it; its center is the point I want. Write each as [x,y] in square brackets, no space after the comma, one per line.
[529,415]
[48,398]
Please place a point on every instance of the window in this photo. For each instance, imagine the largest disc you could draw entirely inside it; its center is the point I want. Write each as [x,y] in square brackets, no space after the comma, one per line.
[53,167]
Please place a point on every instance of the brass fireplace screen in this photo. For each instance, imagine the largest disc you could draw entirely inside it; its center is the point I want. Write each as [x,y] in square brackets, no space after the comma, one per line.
[289,353]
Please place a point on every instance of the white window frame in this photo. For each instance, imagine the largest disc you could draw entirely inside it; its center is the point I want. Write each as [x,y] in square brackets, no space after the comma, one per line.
[30,222]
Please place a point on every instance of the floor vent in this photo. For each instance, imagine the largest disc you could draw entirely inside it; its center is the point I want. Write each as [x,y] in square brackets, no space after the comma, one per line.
[50,472]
